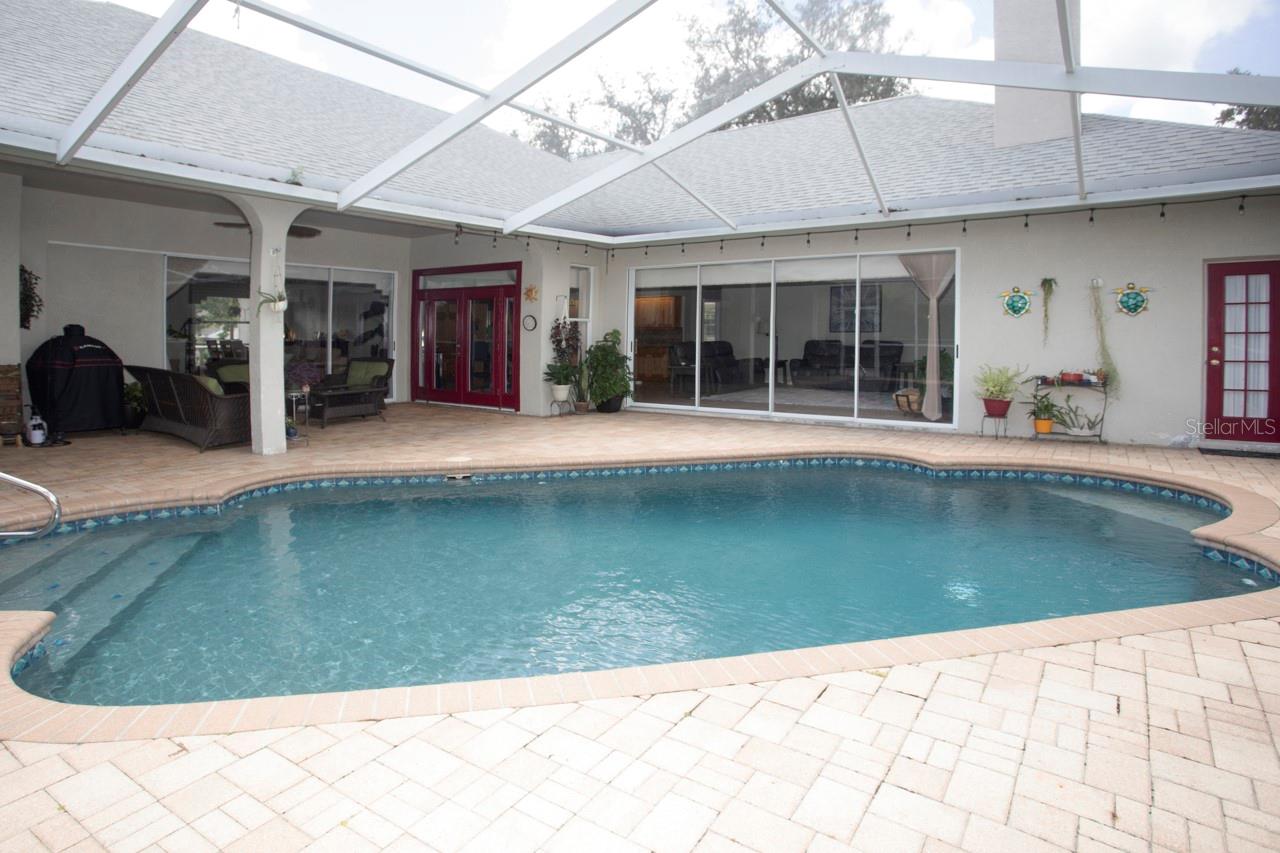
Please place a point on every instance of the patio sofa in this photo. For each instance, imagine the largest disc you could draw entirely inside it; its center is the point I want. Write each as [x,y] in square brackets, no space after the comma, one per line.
[232,374]
[720,367]
[360,389]
[192,407]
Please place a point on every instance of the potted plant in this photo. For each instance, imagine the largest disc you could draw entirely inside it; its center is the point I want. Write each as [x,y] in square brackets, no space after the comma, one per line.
[279,302]
[290,428]
[135,408]
[996,387]
[1043,412]
[581,398]
[1074,420]
[608,373]
[29,302]
[562,378]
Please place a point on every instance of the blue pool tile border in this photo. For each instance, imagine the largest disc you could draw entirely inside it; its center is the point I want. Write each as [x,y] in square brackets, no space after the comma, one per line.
[1136,487]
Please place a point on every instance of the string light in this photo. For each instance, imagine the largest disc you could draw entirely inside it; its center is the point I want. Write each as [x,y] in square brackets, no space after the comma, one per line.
[613,253]
[807,241]
[457,234]
[857,232]
[495,240]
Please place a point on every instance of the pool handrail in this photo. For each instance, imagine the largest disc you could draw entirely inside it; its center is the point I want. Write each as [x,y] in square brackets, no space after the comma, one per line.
[49,496]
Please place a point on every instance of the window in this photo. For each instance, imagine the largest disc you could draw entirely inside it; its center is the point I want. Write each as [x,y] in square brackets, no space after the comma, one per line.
[581,281]
[857,336]
[334,315]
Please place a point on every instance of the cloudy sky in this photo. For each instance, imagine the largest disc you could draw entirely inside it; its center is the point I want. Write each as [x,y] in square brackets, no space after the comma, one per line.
[485,40]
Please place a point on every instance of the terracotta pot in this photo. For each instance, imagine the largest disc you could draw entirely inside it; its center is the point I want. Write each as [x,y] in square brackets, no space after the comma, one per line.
[1044,426]
[996,408]
[1072,377]
[582,407]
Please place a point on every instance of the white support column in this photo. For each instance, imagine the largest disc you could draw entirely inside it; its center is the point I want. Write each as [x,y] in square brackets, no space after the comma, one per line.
[10,257]
[269,221]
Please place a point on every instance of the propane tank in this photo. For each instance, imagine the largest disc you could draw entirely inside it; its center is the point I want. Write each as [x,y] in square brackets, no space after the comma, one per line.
[37,431]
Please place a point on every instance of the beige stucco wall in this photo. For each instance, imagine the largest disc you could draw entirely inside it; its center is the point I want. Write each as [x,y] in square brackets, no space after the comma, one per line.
[1159,353]
[118,295]
[116,290]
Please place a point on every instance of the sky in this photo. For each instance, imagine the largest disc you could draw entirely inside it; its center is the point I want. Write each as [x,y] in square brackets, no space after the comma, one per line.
[483,41]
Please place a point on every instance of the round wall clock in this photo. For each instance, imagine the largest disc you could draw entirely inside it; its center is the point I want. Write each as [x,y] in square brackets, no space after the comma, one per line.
[529,322]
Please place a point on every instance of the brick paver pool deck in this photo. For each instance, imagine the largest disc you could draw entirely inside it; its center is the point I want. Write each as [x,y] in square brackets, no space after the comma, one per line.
[1149,729]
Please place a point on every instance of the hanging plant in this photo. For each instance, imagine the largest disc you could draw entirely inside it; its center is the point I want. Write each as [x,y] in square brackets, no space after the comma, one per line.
[1046,287]
[29,302]
[1107,364]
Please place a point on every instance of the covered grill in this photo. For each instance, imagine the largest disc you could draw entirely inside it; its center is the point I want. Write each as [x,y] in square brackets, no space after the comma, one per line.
[76,383]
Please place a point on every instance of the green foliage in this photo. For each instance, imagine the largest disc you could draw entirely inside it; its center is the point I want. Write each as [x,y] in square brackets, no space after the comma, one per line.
[730,56]
[998,383]
[133,396]
[270,299]
[1074,417]
[608,369]
[1248,117]
[29,302]
[1107,363]
[1047,286]
[558,373]
[1042,407]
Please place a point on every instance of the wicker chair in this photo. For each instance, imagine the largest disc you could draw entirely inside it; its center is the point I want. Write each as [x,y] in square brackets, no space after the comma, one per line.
[361,390]
[181,404]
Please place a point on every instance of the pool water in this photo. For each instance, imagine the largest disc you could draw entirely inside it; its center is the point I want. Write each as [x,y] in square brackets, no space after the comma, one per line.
[353,588]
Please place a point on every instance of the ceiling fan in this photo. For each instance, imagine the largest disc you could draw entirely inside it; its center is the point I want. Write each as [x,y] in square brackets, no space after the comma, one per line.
[302,232]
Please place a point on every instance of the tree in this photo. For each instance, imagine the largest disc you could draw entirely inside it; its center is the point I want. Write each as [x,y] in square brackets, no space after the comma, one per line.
[735,56]
[1252,118]
[747,48]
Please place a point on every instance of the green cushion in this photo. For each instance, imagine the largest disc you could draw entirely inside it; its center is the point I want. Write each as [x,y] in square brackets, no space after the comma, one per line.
[364,372]
[234,373]
[212,384]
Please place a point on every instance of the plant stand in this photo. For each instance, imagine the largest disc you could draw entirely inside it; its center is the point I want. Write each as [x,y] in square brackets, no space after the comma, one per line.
[999,425]
[1047,382]
[303,436]
[562,407]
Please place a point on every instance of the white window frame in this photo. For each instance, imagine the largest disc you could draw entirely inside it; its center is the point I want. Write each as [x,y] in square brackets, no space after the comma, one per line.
[697,409]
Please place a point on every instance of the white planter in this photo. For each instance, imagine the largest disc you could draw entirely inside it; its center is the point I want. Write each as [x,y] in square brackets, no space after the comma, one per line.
[281,306]
[560,393]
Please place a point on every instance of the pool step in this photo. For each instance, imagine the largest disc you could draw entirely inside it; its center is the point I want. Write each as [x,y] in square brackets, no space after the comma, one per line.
[89,609]
[39,574]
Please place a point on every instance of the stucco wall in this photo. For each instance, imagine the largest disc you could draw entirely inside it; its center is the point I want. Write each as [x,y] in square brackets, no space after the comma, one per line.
[1159,353]
[116,290]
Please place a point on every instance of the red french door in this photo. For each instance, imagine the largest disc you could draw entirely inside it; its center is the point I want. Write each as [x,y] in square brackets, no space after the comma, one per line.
[1242,365]
[468,350]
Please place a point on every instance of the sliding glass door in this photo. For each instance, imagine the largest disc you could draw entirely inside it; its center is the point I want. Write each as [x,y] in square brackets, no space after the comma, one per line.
[869,337]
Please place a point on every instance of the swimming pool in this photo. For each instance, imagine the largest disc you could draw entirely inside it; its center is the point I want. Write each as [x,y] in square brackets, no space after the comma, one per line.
[353,588]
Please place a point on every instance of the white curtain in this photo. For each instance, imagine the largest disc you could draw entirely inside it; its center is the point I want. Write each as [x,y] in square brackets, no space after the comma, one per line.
[933,274]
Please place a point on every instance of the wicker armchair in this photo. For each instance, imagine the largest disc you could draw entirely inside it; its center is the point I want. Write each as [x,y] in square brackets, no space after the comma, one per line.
[361,389]
[181,404]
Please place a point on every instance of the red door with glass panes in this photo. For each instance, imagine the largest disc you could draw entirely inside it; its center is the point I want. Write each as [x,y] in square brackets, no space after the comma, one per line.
[468,349]
[1241,360]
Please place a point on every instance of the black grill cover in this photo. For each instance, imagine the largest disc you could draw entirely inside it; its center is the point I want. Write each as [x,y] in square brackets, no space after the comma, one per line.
[77,383]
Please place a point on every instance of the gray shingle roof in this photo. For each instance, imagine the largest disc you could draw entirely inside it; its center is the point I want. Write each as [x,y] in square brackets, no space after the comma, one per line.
[211,97]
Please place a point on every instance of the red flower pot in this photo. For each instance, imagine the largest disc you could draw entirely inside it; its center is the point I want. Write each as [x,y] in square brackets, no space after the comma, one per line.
[996,408]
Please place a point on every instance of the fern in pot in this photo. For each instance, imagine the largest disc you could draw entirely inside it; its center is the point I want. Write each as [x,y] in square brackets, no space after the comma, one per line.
[996,386]
[608,373]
